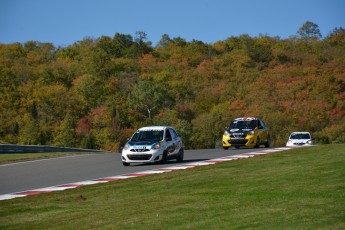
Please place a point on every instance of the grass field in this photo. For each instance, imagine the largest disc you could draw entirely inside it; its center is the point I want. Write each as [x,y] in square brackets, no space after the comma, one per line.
[296,189]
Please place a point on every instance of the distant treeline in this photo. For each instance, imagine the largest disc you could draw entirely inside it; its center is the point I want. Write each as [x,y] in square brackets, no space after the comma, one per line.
[96,92]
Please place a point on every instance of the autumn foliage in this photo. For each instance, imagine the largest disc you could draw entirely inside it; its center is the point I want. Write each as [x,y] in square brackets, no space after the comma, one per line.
[96,92]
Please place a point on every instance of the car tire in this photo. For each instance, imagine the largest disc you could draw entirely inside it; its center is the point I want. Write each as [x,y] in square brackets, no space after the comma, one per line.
[125,163]
[180,155]
[226,148]
[268,143]
[257,144]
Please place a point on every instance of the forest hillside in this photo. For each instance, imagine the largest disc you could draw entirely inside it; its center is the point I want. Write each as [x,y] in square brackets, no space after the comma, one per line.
[96,92]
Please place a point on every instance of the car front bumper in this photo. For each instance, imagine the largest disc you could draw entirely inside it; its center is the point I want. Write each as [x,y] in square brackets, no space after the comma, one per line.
[248,141]
[133,156]
[296,144]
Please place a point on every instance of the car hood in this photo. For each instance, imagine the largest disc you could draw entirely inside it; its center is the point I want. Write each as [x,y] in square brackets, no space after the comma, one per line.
[141,143]
[240,130]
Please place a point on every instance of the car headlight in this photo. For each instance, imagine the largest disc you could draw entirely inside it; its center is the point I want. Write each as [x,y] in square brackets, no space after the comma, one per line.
[156,146]
[251,132]
[226,133]
[126,146]
[309,142]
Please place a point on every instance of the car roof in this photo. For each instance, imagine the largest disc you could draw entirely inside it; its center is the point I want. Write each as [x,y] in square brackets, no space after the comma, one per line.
[300,133]
[246,119]
[154,128]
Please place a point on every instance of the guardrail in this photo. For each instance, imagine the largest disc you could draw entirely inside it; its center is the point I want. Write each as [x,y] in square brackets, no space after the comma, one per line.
[11,148]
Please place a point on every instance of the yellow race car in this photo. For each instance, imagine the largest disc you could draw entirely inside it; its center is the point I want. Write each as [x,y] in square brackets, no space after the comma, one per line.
[246,132]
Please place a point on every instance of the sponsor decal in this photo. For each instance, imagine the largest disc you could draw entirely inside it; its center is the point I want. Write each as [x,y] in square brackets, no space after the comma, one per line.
[245,119]
[139,147]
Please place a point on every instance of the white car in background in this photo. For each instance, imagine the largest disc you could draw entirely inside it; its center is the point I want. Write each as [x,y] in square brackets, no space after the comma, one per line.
[153,144]
[300,139]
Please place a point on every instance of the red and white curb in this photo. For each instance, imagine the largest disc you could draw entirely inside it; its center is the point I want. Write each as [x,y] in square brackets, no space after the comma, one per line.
[143,173]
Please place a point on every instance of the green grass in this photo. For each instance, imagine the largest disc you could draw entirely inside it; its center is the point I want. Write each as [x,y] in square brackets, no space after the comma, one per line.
[295,189]
[15,157]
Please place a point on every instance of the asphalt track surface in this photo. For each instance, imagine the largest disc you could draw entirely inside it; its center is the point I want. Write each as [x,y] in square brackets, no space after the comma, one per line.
[29,175]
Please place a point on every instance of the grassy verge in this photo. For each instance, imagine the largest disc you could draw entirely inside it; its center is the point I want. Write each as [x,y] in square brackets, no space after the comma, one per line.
[296,189]
[15,157]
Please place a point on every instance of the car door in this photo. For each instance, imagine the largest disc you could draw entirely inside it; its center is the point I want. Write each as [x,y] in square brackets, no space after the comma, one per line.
[177,140]
[263,131]
[170,142]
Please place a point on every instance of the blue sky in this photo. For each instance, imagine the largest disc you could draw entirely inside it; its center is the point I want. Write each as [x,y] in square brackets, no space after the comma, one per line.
[63,22]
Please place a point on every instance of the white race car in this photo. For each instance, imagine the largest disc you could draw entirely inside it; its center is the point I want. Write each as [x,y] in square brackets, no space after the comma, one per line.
[153,144]
[300,139]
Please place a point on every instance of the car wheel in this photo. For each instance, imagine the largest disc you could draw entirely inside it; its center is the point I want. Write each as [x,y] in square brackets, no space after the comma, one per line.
[257,144]
[268,143]
[125,163]
[225,147]
[180,155]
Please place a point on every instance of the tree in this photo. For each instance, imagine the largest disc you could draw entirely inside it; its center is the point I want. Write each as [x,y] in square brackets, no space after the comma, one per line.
[122,42]
[144,45]
[39,52]
[337,36]
[180,41]
[65,134]
[261,50]
[83,129]
[101,119]
[309,30]
[147,97]
[29,132]
[82,53]
[89,90]
[164,41]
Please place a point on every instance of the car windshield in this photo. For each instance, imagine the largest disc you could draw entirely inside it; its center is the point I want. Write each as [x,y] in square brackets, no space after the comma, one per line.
[300,136]
[148,135]
[244,124]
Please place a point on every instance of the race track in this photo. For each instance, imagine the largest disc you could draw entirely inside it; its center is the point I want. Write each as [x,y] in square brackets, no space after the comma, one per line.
[31,175]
